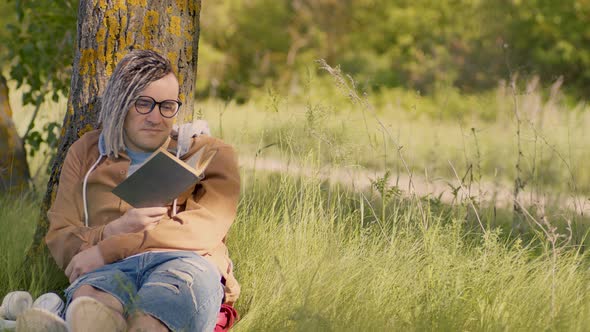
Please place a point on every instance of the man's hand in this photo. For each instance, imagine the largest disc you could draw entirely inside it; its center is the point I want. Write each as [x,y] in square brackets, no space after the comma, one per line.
[135,220]
[84,262]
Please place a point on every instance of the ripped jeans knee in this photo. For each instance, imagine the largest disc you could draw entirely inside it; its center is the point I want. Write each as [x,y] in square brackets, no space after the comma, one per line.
[181,289]
[193,291]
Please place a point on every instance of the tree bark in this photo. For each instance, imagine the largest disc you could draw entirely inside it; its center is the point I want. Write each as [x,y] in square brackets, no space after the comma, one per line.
[14,170]
[107,30]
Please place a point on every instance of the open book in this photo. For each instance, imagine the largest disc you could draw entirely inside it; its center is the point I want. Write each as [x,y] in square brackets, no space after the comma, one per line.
[163,177]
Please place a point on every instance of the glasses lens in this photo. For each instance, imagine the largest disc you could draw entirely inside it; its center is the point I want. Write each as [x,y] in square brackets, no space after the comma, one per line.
[144,105]
[169,108]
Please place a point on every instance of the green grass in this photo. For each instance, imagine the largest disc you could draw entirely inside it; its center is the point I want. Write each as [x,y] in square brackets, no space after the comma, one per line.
[311,256]
[308,259]
[18,218]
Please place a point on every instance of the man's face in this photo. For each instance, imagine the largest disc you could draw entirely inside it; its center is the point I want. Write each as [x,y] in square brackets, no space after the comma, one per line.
[147,132]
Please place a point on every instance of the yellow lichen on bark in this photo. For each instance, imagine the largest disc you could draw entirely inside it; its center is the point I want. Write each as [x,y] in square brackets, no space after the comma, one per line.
[150,25]
[85,129]
[181,79]
[124,23]
[100,36]
[102,4]
[189,30]
[142,3]
[113,27]
[173,57]
[114,39]
[122,47]
[182,4]
[174,27]
[189,52]
[129,37]
[87,65]
[120,5]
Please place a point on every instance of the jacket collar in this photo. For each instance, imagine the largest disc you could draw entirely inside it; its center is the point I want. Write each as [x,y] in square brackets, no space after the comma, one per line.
[103,150]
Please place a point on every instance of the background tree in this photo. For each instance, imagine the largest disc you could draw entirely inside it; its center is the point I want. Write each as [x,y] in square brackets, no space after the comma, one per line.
[14,173]
[38,40]
[107,30]
[14,170]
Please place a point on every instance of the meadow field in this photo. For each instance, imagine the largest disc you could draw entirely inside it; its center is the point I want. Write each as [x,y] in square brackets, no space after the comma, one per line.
[315,253]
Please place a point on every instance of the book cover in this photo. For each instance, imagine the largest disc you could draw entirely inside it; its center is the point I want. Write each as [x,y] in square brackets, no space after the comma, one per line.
[163,177]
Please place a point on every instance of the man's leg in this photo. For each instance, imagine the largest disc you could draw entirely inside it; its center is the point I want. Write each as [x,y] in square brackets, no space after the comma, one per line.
[140,321]
[182,291]
[101,296]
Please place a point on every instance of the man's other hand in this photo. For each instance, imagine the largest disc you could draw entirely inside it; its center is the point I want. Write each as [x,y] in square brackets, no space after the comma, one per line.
[135,220]
[84,262]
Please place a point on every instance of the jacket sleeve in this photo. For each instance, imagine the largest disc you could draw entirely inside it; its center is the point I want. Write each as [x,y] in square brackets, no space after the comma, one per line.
[201,227]
[67,234]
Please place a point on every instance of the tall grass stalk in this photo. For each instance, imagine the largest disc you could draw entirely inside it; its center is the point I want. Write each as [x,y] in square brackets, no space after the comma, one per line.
[309,257]
[309,264]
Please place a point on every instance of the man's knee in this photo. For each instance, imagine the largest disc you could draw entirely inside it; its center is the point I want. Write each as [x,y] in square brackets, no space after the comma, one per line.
[99,295]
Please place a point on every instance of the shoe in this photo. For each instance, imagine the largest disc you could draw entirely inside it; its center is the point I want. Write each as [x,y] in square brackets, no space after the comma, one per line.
[14,304]
[86,314]
[50,302]
[7,325]
[40,320]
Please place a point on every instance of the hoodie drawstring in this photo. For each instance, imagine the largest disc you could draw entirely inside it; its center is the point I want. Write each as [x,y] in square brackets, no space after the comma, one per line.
[84,190]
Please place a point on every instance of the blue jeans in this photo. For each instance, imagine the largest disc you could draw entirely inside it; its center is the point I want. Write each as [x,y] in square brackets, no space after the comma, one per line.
[179,288]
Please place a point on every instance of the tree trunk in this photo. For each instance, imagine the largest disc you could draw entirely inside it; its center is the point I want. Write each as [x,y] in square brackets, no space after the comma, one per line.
[14,170]
[107,30]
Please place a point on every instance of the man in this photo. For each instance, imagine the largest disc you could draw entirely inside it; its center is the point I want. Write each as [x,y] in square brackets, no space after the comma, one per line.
[142,268]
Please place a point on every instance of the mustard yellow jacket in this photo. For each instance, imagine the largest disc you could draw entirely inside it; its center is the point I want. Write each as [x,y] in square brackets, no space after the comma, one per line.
[207,209]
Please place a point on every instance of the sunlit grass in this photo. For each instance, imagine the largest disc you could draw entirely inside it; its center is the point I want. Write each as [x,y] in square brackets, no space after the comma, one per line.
[555,145]
[309,260]
[310,257]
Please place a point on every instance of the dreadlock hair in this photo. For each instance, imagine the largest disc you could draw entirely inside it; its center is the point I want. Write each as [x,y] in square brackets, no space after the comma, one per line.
[132,75]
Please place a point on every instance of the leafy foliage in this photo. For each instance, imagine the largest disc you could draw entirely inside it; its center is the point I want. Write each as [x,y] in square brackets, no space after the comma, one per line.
[421,45]
[418,44]
[40,47]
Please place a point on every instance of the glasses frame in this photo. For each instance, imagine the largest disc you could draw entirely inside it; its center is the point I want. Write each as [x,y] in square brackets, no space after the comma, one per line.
[154,103]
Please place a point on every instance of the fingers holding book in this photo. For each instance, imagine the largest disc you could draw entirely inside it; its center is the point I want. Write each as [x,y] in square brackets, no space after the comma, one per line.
[135,220]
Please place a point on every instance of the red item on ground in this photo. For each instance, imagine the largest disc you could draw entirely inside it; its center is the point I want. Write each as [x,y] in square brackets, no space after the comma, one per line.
[226,318]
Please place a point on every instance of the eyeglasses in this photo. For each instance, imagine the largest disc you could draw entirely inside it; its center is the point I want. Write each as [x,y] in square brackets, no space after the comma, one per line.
[168,108]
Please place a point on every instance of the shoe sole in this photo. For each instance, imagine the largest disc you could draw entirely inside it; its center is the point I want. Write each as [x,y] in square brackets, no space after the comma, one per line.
[40,320]
[86,314]
[7,325]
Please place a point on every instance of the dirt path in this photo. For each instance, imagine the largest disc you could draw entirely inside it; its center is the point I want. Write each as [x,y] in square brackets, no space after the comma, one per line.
[486,193]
